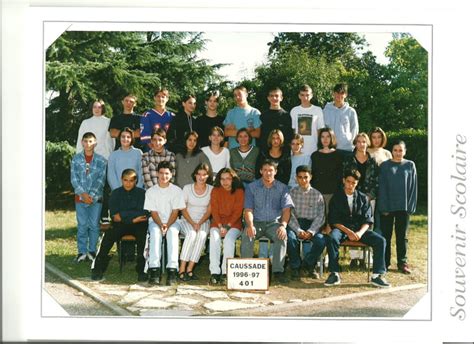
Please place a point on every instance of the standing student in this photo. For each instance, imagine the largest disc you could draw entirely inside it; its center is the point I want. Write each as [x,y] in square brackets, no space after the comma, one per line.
[350,217]
[195,221]
[297,158]
[164,200]
[205,123]
[278,153]
[398,191]
[243,159]
[127,119]
[156,118]
[128,217]
[188,158]
[242,116]
[182,124]
[217,154]
[126,157]
[267,211]
[275,118]
[307,219]
[227,204]
[88,172]
[342,119]
[361,161]
[307,119]
[152,158]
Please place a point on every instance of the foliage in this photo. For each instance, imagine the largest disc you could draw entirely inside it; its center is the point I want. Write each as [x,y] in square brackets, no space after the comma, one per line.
[417,150]
[58,158]
[83,66]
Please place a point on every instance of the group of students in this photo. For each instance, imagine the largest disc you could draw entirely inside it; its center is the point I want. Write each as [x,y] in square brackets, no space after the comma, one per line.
[305,175]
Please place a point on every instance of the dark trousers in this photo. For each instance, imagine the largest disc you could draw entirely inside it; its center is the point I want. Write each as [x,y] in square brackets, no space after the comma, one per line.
[114,234]
[293,247]
[370,238]
[105,201]
[402,221]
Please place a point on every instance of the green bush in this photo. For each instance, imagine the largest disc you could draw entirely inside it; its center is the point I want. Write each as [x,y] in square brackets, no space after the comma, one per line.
[58,163]
[417,150]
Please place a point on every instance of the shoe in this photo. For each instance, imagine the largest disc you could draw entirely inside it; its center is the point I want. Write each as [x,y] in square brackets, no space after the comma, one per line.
[295,274]
[223,279]
[333,279]
[404,268]
[183,277]
[191,276]
[362,265]
[81,257]
[105,221]
[311,273]
[142,277]
[96,275]
[171,278]
[380,282]
[279,277]
[154,276]
[354,264]
[91,256]
[215,279]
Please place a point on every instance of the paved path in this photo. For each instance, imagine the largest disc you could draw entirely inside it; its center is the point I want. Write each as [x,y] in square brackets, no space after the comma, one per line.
[190,300]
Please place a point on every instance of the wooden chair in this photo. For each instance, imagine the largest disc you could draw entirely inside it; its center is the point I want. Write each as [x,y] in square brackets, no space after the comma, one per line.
[129,239]
[366,249]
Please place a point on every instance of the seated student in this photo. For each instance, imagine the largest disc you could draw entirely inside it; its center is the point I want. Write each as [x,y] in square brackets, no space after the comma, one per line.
[128,217]
[88,179]
[227,204]
[164,201]
[307,218]
[350,217]
[152,158]
[195,221]
[267,211]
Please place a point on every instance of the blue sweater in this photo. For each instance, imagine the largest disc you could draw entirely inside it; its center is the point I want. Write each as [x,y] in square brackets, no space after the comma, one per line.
[398,186]
[120,160]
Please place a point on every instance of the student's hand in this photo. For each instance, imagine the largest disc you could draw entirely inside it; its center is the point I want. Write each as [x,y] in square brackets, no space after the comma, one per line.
[326,230]
[86,198]
[309,236]
[117,218]
[302,235]
[138,219]
[196,226]
[281,232]
[251,231]
[222,231]
[164,229]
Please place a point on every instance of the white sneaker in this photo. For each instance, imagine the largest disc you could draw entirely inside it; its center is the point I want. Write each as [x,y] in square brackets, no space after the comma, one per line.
[90,256]
[81,257]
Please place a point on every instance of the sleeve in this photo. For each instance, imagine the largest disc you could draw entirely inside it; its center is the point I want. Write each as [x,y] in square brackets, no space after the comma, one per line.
[178,199]
[114,203]
[286,201]
[147,181]
[114,123]
[382,194]
[238,206]
[227,159]
[215,205]
[257,122]
[145,129]
[174,165]
[112,173]
[186,192]
[128,215]
[318,221]
[293,118]
[293,224]
[372,179]
[249,198]
[412,190]
[204,159]
[320,120]
[366,212]
[354,124]
[228,119]
[150,203]
[335,212]
[99,179]
[79,138]
[75,177]
[140,183]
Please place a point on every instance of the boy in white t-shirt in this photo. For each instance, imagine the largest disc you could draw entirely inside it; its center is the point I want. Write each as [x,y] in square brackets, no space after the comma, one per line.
[164,201]
[307,119]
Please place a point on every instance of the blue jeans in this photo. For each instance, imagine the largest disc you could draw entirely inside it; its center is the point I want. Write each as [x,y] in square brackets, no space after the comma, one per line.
[310,258]
[87,226]
[370,238]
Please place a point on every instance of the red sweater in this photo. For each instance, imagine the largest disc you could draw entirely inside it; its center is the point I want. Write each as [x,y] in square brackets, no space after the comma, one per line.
[227,207]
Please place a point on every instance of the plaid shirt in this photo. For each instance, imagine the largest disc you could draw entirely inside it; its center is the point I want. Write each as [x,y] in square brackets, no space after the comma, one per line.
[309,204]
[91,182]
[150,161]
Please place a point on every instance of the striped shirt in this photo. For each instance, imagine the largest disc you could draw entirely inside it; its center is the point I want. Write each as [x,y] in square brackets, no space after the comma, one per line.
[150,161]
[309,204]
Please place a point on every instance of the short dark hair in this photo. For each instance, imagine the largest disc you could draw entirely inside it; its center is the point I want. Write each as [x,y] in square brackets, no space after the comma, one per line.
[340,88]
[275,89]
[210,94]
[160,132]
[129,172]
[305,88]
[333,143]
[236,183]
[127,130]
[187,97]
[205,167]
[399,142]
[163,90]
[240,88]
[303,168]
[269,163]
[352,173]
[164,164]
[88,135]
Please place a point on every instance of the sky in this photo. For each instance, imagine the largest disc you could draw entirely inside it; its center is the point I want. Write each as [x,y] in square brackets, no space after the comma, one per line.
[245,50]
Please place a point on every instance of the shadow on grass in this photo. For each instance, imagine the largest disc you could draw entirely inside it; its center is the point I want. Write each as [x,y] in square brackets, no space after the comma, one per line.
[61,233]
[59,201]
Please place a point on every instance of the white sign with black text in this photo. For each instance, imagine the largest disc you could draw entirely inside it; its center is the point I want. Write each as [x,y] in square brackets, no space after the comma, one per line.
[248,273]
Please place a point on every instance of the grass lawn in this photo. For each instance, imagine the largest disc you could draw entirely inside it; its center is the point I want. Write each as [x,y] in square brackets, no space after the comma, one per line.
[60,250]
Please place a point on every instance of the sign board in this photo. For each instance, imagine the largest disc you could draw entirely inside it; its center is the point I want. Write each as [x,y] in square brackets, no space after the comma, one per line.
[248,273]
